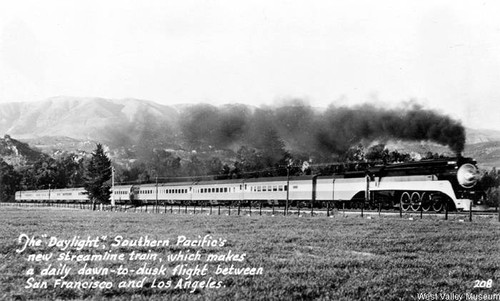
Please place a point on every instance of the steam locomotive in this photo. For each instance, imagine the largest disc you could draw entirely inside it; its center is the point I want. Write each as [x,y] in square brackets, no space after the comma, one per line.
[427,185]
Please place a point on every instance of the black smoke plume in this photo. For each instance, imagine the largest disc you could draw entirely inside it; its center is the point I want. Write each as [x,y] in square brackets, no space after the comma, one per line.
[306,130]
[343,127]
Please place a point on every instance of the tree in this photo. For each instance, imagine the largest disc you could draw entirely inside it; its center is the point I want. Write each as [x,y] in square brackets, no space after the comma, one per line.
[9,181]
[490,182]
[97,176]
[377,153]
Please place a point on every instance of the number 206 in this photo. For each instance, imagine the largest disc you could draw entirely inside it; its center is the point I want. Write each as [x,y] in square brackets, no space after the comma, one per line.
[483,283]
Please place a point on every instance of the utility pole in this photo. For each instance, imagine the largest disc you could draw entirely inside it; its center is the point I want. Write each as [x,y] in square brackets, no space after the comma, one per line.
[156,178]
[112,187]
[287,188]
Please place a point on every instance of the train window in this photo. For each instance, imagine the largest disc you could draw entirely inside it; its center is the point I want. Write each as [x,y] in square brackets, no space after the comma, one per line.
[275,188]
[225,189]
[217,189]
[286,187]
[264,188]
[280,188]
[245,186]
[269,188]
[295,187]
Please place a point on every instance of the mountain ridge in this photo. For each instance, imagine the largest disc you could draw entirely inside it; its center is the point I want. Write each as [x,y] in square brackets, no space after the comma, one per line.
[123,123]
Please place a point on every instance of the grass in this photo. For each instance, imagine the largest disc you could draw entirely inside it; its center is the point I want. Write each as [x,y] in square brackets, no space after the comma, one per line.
[340,258]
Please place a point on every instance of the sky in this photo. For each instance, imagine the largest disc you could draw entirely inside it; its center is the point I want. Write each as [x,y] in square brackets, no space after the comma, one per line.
[444,55]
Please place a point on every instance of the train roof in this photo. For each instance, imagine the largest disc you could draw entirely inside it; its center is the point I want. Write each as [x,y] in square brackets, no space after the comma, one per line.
[54,189]
[225,182]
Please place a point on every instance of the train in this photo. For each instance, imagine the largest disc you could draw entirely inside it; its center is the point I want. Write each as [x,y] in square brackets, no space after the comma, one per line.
[425,185]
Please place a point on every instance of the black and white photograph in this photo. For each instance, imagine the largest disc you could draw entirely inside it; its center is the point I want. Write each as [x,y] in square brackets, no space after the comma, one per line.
[249,150]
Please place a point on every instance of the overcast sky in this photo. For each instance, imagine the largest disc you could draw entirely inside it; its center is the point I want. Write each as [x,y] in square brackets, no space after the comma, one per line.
[443,54]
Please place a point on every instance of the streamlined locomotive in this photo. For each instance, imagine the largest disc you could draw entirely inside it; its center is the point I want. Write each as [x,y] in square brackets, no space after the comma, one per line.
[422,185]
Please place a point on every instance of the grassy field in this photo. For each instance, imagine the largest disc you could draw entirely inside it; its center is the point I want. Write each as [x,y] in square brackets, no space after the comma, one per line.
[339,258]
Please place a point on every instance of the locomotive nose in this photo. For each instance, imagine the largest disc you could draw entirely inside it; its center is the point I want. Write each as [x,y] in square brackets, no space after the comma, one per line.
[468,175]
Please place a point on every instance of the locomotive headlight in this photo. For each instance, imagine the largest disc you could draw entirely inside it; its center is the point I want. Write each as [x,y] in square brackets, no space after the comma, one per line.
[468,175]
